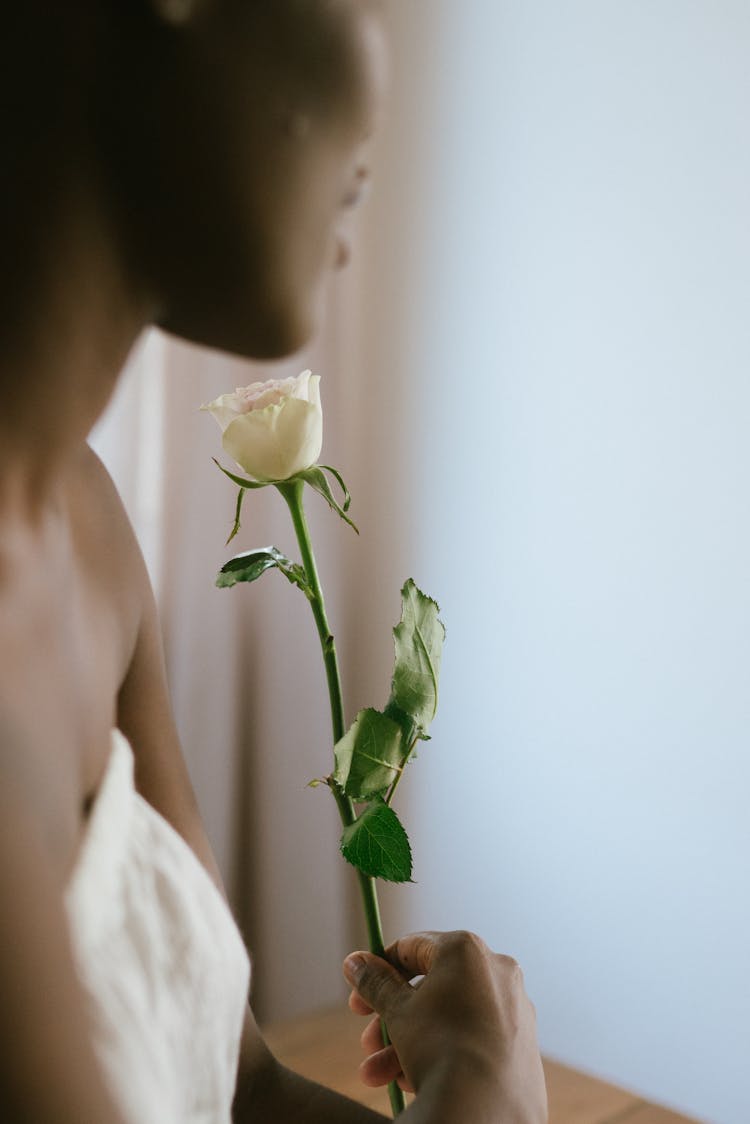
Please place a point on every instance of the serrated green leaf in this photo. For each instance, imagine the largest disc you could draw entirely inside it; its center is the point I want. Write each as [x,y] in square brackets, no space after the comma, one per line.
[369,756]
[377,844]
[250,565]
[316,478]
[404,721]
[419,637]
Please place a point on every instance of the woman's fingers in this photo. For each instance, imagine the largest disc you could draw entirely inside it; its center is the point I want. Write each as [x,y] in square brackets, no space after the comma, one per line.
[381,1067]
[371,1038]
[380,985]
[382,1063]
[358,1005]
[408,957]
[471,1004]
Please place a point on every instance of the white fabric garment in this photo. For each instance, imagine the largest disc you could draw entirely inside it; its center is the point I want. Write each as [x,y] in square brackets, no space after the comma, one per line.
[160,958]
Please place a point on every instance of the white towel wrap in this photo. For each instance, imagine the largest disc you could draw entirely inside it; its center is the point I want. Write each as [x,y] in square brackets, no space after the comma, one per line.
[160,958]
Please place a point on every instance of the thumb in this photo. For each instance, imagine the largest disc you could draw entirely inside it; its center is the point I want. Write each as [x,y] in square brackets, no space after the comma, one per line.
[379,984]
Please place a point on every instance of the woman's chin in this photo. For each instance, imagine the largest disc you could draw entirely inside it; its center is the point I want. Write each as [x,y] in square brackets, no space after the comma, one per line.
[254,335]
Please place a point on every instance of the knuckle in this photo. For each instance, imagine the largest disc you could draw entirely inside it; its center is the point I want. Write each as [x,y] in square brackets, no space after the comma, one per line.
[413,955]
[510,971]
[465,942]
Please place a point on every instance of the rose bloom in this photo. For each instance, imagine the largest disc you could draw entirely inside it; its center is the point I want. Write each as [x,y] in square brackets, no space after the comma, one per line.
[272,429]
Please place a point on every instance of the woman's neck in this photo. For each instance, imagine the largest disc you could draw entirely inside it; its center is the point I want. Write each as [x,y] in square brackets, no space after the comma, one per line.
[70,316]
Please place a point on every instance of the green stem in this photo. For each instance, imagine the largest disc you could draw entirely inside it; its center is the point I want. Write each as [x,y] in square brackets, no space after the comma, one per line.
[292,493]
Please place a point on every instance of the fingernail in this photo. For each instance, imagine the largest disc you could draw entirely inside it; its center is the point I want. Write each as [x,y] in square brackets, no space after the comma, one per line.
[354,967]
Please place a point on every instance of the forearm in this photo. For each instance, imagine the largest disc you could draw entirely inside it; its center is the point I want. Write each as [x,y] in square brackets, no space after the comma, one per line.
[452,1094]
[277,1095]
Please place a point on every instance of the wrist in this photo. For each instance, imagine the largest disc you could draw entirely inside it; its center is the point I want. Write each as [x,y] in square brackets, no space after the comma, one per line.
[469,1085]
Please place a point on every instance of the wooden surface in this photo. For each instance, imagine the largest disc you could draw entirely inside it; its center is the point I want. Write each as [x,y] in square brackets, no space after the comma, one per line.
[326,1047]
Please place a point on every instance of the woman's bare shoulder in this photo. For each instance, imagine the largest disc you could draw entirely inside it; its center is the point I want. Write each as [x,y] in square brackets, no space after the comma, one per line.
[98,510]
[69,613]
[144,712]
[109,557]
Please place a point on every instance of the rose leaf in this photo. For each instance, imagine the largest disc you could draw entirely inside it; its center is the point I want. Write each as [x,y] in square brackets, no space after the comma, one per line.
[250,565]
[377,844]
[419,637]
[369,756]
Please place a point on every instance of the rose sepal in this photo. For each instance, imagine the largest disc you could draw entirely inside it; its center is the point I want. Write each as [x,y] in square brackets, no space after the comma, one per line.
[241,481]
[314,476]
[316,479]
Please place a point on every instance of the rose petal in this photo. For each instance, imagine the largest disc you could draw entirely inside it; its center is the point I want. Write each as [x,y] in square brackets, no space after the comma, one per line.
[278,441]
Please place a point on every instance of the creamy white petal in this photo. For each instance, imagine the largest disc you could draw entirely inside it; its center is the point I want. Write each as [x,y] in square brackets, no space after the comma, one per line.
[278,441]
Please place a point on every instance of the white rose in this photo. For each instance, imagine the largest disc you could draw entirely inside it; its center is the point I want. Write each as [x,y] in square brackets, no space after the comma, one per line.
[272,429]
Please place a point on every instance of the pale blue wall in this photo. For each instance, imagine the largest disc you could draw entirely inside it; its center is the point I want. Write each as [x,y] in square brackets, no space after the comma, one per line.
[571,296]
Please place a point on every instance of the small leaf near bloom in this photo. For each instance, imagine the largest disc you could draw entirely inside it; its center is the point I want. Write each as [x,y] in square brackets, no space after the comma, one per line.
[273,429]
[248,567]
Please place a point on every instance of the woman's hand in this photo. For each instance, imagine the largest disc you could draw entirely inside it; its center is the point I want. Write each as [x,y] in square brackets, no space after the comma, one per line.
[464,1037]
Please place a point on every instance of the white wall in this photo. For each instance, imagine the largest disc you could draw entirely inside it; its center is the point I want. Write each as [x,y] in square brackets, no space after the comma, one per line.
[563,221]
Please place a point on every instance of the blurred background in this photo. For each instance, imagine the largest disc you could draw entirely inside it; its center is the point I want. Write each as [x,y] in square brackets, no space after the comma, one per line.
[535,381]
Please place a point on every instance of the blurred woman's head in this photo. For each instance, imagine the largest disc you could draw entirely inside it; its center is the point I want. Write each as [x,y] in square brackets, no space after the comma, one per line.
[226,138]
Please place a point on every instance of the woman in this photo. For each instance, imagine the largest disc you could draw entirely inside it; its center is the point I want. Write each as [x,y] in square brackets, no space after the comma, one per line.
[185,163]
